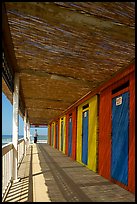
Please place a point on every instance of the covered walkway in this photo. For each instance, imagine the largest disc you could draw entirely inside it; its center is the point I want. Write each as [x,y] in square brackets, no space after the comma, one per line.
[48,175]
[70,66]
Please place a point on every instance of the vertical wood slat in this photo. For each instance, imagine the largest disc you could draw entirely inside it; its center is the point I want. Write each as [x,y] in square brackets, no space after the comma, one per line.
[79,135]
[92,135]
[54,126]
[104,148]
[64,134]
[59,146]
[64,131]
[58,134]
[55,135]
[50,134]
[74,133]
[67,127]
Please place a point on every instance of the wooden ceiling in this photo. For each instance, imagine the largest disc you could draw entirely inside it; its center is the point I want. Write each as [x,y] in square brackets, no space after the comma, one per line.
[66,49]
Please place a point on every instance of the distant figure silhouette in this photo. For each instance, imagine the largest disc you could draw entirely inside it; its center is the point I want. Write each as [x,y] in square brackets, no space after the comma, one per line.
[35,136]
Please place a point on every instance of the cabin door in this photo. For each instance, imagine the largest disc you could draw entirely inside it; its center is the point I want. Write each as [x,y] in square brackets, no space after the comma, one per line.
[70,137]
[120,134]
[62,135]
[56,135]
[85,137]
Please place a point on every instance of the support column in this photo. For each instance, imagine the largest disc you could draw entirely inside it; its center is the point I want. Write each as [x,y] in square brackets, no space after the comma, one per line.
[15,125]
[25,132]
[28,131]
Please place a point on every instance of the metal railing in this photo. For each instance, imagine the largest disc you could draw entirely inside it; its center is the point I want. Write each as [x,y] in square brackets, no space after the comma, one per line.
[7,162]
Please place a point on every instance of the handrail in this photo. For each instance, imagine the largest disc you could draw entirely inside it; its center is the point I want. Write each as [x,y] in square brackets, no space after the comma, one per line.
[7,162]
[20,140]
[6,148]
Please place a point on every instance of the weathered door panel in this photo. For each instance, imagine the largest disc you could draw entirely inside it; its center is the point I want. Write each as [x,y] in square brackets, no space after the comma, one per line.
[70,137]
[85,137]
[120,133]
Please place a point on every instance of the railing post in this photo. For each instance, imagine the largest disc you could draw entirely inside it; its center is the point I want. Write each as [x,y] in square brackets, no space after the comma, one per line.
[15,125]
[25,132]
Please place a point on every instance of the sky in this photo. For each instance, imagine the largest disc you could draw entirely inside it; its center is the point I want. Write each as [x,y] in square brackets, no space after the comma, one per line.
[7,120]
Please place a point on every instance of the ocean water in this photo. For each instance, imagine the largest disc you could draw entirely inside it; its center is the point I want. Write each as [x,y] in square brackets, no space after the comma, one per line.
[8,138]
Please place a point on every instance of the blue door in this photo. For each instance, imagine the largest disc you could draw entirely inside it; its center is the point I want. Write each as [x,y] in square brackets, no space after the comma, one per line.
[70,137]
[120,122]
[62,135]
[85,137]
[56,135]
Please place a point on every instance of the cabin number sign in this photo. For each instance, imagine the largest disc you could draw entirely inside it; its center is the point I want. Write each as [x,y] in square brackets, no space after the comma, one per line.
[119,101]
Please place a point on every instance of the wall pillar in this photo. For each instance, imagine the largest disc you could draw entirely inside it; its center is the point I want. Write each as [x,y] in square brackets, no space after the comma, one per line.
[15,125]
[28,132]
[25,132]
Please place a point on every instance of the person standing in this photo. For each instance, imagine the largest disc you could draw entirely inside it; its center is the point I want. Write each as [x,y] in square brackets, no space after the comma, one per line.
[35,136]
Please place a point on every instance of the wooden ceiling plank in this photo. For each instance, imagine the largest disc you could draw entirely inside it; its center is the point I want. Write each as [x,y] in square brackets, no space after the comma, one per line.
[54,13]
[7,41]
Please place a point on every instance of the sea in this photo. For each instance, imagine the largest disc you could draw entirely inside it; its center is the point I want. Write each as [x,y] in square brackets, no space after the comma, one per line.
[8,138]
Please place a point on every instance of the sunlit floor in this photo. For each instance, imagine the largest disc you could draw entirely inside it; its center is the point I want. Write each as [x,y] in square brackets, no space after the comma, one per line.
[47,175]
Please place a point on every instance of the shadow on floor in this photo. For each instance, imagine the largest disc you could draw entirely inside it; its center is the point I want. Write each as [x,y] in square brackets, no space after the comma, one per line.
[69,181]
[66,180]
[18,192]
[22,191]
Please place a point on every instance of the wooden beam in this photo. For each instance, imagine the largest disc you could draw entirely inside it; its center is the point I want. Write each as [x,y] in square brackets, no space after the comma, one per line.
[43,73]
[49,100]
[39,125]
[39,120]
[48,108]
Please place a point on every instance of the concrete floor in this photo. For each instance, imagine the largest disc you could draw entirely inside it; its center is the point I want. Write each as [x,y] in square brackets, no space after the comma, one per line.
[47,175]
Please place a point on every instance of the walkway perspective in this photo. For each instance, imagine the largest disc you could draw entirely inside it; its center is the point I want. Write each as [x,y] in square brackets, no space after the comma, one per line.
[47,175]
